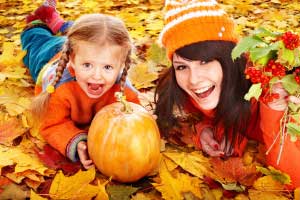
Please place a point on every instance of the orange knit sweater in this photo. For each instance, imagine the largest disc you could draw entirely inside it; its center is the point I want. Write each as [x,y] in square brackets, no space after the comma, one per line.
[71,111]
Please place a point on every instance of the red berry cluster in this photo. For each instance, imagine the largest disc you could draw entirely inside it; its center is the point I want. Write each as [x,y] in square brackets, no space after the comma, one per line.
[297,75]
[290,40]
[264,76]
[275,68]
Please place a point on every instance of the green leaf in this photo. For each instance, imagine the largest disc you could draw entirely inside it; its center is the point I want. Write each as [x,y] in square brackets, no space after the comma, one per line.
[257,53]
[288,56]
[293,128]
[254,91]
[289,83]
[297,57]
[244,45]
[157,54]
[262,32]
[264,60]
[273,80]
[120,192]
[276,174]
[294,107]
[234,187]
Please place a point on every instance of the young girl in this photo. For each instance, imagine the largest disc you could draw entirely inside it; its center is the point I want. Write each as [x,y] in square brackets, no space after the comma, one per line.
[200,99]
[80,79]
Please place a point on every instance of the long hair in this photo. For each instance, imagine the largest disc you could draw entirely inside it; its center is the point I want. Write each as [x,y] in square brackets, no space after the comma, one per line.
[232,111]
[95,28]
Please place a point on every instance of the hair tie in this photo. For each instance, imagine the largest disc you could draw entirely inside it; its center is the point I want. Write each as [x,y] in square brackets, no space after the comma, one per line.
[50,88]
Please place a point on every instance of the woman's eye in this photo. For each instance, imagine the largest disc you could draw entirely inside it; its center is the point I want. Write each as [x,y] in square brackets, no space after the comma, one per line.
[108,67]
[87,65]
[180,67]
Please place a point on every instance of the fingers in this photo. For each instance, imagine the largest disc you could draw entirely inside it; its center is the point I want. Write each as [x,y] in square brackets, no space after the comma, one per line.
[83,155]
[210,151]
[294,99]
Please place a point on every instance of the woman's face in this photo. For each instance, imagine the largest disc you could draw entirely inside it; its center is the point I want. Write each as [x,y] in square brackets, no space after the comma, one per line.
[201,80]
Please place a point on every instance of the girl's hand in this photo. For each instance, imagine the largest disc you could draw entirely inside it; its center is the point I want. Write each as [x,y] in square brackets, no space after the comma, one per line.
[83,155]
[281,103]
[209,144]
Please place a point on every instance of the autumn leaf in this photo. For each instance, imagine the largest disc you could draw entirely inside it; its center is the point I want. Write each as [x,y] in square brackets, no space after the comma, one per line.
[267,183]
[34,196]
[9,130]
[14,191]
[8,57]
[263,195]
[194,162]
[54,160]
[234,170]
[175,186]
[74,187]
[141,77]
[275,174]
[120,192]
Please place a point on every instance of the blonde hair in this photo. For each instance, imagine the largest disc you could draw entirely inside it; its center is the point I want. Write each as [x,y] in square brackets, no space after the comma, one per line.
[96,28]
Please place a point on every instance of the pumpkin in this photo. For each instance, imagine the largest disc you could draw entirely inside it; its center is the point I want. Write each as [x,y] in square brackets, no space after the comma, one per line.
[124,145]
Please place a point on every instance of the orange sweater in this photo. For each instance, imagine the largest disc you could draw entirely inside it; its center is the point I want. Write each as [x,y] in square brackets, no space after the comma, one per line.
[71,111]
[264,130]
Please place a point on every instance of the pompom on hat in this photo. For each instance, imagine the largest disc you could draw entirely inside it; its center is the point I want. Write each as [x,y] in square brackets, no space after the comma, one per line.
[192,21]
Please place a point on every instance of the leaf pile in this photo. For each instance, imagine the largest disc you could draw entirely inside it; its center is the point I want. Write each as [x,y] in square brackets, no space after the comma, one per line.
[31,169]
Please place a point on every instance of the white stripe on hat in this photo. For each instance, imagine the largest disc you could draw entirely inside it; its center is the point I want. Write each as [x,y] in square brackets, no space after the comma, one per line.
[189,6]
[202,13]
[180,2]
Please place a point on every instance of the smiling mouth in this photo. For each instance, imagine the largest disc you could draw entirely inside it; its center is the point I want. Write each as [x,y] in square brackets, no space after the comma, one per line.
[95,89]
[205,91]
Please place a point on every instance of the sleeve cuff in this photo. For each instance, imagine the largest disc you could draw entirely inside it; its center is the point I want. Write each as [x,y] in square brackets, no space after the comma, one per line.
[72,146]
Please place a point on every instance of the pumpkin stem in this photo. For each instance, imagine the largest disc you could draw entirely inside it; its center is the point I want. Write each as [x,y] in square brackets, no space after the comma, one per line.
[122,99]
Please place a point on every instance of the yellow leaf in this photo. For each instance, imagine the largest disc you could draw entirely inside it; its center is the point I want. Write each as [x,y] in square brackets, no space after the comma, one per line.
[34,196]
[267,183]
[194,162]
[23,161]
[102,195]
[264,195]
[141,77]
[74,187]
[173,187]
[8,57]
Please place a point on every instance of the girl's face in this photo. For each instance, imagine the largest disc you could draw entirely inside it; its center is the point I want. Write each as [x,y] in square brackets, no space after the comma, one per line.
[96,67]
[201,80]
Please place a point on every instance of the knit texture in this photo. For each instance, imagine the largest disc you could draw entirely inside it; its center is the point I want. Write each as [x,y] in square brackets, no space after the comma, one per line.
[192,21]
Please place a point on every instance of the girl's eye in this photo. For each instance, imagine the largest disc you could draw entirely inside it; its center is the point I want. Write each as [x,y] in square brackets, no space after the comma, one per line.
[180,67]
[87,65]
[203,62]
[108,67]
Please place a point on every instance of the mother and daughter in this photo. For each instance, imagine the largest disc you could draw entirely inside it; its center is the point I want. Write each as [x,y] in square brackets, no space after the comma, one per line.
[77,74]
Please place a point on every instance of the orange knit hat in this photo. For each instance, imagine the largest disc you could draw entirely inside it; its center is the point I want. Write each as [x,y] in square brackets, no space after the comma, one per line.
[191,21]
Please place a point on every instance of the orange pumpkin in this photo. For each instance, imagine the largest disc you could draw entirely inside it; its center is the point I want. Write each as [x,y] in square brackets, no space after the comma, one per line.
[124,145]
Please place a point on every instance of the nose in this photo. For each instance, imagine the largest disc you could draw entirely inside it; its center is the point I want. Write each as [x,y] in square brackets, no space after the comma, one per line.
[97,73]
[194,77]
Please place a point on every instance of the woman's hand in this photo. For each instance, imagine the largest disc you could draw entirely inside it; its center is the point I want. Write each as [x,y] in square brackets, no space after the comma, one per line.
[281,103]
[83,155]
[209,144]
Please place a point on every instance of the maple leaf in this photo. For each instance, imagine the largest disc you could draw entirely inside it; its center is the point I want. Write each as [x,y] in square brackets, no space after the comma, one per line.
[263,195]
[174,187]
[9,130]
[141,77]
[234,170]
[74,187]
[267,183]
[53,159]
[194,162]
[8,57]
[34,196]
[120,192]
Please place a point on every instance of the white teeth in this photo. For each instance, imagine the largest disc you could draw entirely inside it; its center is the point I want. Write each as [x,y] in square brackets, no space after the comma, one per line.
[201,90]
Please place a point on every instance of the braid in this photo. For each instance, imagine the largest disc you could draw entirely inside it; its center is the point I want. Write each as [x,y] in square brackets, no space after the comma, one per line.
[63,61]
[125,70]
[40,102]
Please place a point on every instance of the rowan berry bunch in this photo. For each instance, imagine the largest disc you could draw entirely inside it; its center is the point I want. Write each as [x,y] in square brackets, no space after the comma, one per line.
[272,58]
